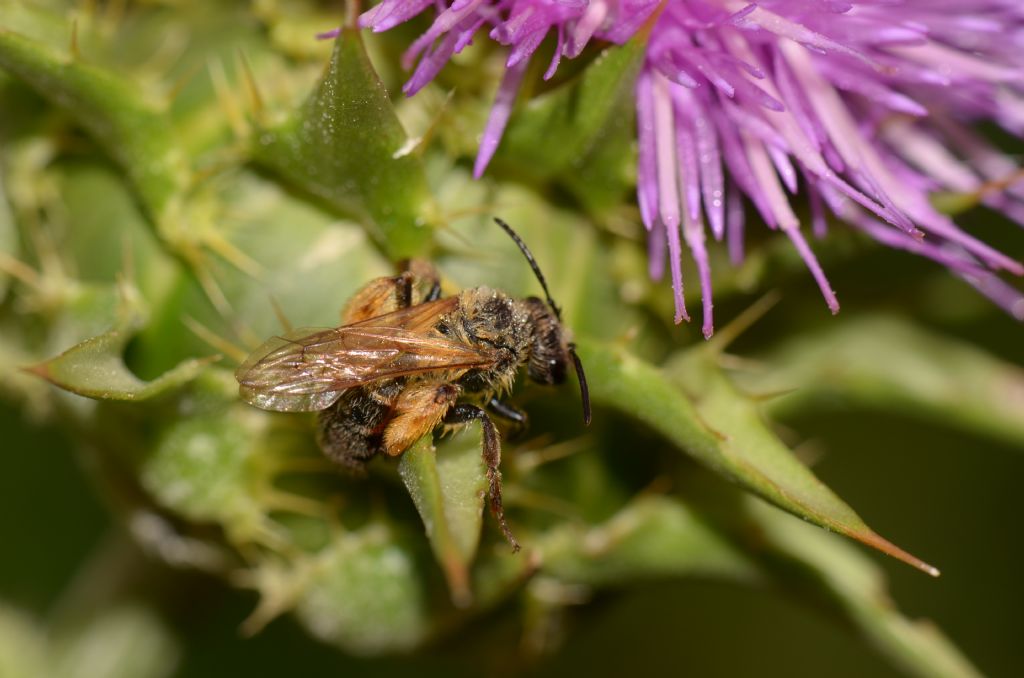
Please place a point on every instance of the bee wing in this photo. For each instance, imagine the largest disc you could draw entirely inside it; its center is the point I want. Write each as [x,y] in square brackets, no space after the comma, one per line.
[419,318]
[308,369]
[271,378]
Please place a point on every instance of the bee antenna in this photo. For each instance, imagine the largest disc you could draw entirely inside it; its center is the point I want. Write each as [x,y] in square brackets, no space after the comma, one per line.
[536,269]
[577,363]
[582,378]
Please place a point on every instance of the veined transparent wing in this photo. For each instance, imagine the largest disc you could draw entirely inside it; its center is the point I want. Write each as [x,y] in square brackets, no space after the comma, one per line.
[308,369]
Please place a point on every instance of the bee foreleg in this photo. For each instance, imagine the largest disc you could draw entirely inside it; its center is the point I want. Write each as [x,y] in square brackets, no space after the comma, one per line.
[464,413]
[509,413]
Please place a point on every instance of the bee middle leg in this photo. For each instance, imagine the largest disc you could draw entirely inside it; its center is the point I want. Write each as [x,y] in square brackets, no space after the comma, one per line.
[463,413]
[509,413]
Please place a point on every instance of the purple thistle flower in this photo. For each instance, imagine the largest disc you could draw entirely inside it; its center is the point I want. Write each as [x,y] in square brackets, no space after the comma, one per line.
[864,105]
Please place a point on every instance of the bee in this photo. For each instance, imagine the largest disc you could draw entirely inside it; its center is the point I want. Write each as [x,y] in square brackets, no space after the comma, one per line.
[407,361]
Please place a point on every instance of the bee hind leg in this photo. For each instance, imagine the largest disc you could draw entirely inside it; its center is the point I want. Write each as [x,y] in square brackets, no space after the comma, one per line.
[417,283]
[463,413]
[417,275]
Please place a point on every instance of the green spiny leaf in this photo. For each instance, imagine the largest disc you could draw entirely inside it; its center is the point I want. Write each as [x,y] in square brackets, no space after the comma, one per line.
[627,383]
[602,177]
[651,537]
[590,117]
[95,368]
[306,259]
[111,234]
[886,362]
[722,429]
[345,146]
[134,131]
[755,456]
[205,467]
[447,486]
[366,594]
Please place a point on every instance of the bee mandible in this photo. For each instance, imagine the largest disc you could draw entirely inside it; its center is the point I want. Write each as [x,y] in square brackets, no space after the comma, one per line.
[406,361]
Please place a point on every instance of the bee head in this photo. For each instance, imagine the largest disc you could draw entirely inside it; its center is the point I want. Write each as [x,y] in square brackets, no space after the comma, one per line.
[551,350]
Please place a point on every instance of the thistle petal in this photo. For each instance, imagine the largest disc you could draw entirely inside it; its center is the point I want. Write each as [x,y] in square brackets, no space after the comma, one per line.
[765,100]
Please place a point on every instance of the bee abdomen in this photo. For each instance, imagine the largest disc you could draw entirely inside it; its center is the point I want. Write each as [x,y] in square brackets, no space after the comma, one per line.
[352,429]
